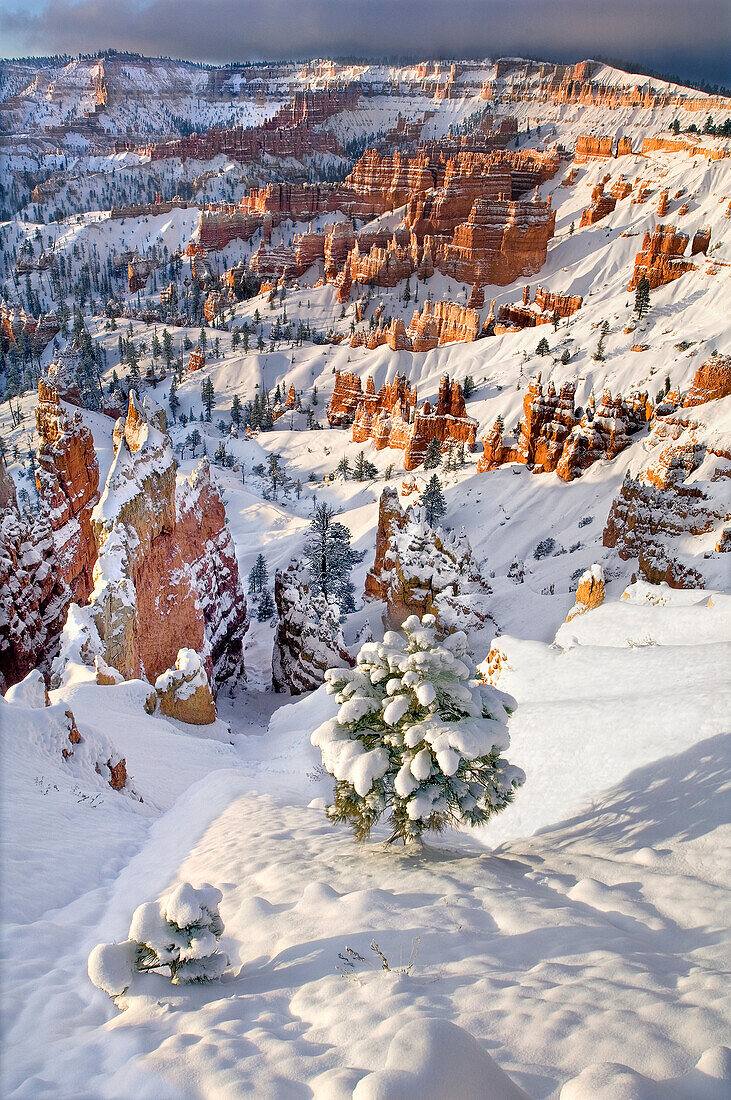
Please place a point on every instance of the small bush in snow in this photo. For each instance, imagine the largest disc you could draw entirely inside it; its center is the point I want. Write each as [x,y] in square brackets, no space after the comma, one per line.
[416,736]
[179,933]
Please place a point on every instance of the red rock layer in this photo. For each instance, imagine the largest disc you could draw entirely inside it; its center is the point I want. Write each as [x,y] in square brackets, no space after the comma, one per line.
[601,205]
[589,147]
[659,259]
[294,131]
[67,480]
[16,325]
[553,438]
[712,381]
[513,317]
[442,323]
[676,497]
[390,417]
[166,576]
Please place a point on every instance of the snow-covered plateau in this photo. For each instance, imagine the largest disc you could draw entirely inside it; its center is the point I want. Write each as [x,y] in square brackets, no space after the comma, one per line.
[225,467]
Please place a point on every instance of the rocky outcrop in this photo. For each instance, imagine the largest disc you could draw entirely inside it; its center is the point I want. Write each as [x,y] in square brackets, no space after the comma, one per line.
[552,437]
[442,323]
[659,260]
[184,692]
[17,326]
[32,599]
[67,480]
[308,639]
[712,381]
[166,571]
[425,571]
[590,592]
[501,241]
[589,147]
[601,205]
[294,131]
[672,512]
[547,306]
[390,417]
[701,241]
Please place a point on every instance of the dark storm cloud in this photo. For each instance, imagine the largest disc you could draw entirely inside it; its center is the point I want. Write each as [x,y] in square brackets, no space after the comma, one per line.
[691,36]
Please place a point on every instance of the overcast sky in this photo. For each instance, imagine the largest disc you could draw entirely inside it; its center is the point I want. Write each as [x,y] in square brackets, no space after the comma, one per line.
[688,37]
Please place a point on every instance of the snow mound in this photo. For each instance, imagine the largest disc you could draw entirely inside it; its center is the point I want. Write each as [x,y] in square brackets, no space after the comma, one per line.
[426,1059]
[710,1079]
[30,692]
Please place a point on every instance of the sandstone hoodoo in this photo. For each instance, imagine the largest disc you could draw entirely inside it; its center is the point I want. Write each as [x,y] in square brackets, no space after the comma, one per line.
[452,588]
[590,592]
[166,569]
[184,692]
[553,437]
[546,308]
[391,419]
[660,258]
[672,512]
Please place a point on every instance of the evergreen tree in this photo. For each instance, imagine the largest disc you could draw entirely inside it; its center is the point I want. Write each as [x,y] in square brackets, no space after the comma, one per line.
[208,395]
[543,348]
[433,455]
[400,746]
[468,386]
[565,356]
[642,296]
[278,477]
[330,558]
[266,608]
[173,399]
[236,411]
[343,468]
[433,502]
[363,470]
[259,575]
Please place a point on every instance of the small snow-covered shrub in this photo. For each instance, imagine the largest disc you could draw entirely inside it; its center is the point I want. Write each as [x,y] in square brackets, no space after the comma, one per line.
[416,736]
[180,932]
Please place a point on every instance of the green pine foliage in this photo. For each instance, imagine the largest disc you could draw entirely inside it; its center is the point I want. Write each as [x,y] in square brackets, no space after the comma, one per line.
[416,737]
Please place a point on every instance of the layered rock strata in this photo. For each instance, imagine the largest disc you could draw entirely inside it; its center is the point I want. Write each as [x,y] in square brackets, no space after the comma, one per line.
[391,419]
[660,258]
[166,571]
[672,513]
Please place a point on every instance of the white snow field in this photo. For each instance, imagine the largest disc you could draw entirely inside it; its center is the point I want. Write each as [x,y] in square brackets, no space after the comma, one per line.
[578,944]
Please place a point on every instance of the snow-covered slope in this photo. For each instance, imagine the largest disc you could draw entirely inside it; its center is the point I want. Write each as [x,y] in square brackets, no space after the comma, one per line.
[595,941]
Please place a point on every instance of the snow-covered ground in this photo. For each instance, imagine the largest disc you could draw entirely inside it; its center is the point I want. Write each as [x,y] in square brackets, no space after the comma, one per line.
[600,938]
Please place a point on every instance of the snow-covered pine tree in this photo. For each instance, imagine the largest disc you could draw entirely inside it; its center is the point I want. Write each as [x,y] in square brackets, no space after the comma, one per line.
[330,558]
[416,737]
[433,502]
[433,455]
[179,933]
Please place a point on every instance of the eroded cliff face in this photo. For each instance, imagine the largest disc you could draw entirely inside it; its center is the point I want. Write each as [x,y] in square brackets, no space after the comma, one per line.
[391,419]
[166,576]
[67,480]
[46,556]
[672,513]
[660,258]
